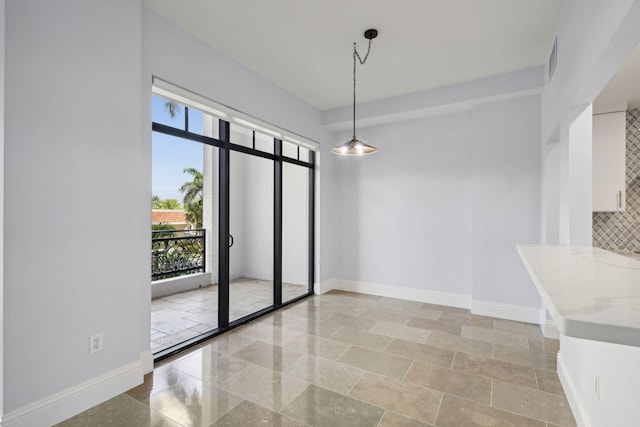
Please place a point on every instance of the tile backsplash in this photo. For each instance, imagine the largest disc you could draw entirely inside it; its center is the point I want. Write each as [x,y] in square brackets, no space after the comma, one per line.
[620,231]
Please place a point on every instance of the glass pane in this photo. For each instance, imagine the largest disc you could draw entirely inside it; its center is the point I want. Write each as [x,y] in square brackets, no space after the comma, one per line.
[240,135]
[304,154]
[196,121]
[289,150]
[264,143]
[295,231]
[184,258]
[167,112]
[251,228]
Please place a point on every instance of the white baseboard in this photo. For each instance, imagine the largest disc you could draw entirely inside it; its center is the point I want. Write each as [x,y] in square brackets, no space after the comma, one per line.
[550,330]
[146,358]
[411,294]
[570,391]
[324,287]
[506,311]
[66,403]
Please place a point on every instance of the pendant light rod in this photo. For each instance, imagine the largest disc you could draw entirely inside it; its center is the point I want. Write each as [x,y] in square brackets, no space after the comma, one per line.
[355,147]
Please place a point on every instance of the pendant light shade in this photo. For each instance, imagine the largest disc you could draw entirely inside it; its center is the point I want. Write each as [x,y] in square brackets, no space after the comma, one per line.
[355,147]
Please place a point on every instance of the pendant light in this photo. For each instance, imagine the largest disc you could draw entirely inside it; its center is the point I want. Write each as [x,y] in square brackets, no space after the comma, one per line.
[356,147]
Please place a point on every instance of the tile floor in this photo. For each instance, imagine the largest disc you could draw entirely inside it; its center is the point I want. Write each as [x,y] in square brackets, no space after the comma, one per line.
[344,359]
[179,317]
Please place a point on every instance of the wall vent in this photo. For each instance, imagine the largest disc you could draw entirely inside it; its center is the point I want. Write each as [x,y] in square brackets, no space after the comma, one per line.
[553,58]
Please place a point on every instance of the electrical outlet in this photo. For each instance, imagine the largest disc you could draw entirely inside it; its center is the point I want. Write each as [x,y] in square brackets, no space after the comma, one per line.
[95,343]
[597,387]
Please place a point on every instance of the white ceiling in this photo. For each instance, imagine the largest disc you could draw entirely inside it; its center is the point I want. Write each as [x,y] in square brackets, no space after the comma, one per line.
[305,46]
[623,88]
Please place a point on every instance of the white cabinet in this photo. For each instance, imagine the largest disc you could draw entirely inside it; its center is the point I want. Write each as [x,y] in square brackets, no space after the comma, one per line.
[609,161]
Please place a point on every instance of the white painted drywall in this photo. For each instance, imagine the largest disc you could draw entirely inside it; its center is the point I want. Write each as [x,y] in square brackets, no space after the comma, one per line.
[443,203]
[403,215]
[72,152]
[505,185]
[594,40]
[2,42]
[580,181]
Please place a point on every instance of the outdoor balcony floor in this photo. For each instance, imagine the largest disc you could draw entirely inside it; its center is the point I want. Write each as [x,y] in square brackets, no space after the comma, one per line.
[182,316]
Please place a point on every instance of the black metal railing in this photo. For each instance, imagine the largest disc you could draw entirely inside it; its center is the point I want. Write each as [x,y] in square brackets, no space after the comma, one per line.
[177,253]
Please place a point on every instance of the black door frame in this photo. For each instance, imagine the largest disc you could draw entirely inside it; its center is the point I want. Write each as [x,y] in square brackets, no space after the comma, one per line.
[225,147]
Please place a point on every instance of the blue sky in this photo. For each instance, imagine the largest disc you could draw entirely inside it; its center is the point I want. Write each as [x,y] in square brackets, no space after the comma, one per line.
[171,155]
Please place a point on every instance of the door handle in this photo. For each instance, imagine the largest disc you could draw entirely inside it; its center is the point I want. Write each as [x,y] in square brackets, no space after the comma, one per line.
[231,240]
[620,199]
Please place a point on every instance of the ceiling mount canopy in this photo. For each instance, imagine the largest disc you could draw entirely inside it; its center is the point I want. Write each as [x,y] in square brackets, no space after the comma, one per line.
[355,147]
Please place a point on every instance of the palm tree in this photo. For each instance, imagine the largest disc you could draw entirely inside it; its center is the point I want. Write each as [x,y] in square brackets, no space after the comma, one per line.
[172,108]
[192,199]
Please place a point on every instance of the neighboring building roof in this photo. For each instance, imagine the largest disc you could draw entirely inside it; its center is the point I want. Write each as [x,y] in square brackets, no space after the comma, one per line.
[168,216]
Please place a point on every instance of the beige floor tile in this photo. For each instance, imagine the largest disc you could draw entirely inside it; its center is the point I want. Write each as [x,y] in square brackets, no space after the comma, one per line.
[229,342]
[324,408]
[548,381]
[397,330]
[361,338]
[351,321]
[209,365]
[435,325]
[457,343]
[386,316]
[496,369]
[461,384]
[400,304]
[193,404]
[532,403]
[521,328]
[250,414]
[391,419]
[270,334]
[373,361]
[310,326]
[495,337]
[455,412]
[444,308]
[325,373]
[420,352]
[122,410]
[318,346]
[355,295]
[160,379]
[522,356]
[411,400]
[268,355]
[467,319]
[544,345]
[268,388]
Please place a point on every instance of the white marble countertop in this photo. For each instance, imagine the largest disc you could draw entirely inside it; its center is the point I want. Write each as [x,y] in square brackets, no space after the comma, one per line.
[590,293]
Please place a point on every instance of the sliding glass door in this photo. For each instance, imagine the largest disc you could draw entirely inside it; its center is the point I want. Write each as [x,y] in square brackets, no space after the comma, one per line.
[256,210]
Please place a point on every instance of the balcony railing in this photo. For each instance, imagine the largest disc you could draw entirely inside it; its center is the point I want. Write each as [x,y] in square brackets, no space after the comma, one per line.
[177,252]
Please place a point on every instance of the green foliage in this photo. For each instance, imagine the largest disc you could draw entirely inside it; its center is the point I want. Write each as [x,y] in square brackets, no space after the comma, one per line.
[172,108]
[165,230]
[170,204]
[192,199]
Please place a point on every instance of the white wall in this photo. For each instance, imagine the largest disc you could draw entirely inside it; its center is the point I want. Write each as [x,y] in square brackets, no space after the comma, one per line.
[442,205]
[594,39]
[506,198]
[403,215]
[2,42]
[72,140]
